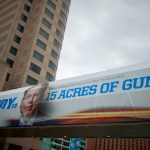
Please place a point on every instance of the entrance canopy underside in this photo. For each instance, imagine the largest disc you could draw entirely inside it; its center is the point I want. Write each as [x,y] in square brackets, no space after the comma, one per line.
[128,130]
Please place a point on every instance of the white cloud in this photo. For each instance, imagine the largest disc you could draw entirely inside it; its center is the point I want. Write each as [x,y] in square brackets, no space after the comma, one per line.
[105,34]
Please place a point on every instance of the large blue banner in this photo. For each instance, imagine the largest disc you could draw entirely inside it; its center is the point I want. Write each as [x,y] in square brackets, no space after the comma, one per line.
[114,96]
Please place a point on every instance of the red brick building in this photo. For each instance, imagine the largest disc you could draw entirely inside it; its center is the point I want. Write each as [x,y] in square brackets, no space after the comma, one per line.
[118,144]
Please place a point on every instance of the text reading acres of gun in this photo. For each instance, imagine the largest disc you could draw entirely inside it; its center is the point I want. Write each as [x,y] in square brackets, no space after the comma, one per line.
[104,88]
[109,87]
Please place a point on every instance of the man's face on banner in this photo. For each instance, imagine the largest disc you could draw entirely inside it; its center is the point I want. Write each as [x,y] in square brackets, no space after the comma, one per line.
[31,101]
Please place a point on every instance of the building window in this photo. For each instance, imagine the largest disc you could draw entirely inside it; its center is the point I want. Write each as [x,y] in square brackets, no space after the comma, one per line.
[61,25]
[54,54]
[58,33]
[30,1]
[44,33]
[51,4]
[20,28]
[35,68]
[63,16]
[38,56]
[52,66]
[41,44]
[13,50]
[57,45]
[31,81]
[23,17]
[46,23]
[7,77]
[26,8]
[68,3]
[65,6]
[17,39]
[10,62]
[49,13]
[49,77]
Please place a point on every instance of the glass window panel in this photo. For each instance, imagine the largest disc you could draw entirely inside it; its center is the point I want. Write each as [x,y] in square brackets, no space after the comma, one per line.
[54,54]
[23,17]
[10,62]
[46,23]
[49,13]
[20,28]
[17,39]
[13,50]
[63,16]
[35,68]
[61,25]
[26,8]
[65,6]
[7,77]
[31,81]
[44,33]
[52,66]
[49,77]
[41,44]
[38,56]
[57,45]
[51,4]
[59,34]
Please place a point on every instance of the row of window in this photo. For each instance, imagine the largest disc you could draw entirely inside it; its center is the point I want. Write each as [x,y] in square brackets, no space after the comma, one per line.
[37,69]
[33,66]
[40,57]
[43,46]
[16,38]
[39,43]
[45,22]
[53,6]
[20,27]
[31,81]
[48,13]
[36,55]
[44,34]
[65,7]
[51,16]
[63,16]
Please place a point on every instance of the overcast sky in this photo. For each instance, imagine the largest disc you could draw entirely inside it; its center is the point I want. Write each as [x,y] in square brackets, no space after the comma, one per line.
[104,34]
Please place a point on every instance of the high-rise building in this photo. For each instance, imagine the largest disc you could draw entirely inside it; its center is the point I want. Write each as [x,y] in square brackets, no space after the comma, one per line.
[31,36]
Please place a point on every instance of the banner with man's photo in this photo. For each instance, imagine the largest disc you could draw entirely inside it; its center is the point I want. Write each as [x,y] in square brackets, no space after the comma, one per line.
[114,96]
